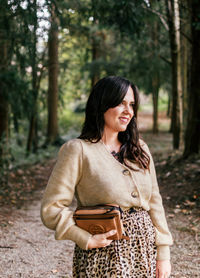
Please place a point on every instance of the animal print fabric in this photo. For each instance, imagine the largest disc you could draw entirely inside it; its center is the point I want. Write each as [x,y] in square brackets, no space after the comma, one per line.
[134,258]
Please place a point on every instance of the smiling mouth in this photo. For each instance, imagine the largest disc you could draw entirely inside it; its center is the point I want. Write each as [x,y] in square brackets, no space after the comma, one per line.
[124,120]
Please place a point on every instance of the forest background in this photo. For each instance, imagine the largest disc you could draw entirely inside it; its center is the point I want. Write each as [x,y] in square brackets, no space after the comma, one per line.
[51,54]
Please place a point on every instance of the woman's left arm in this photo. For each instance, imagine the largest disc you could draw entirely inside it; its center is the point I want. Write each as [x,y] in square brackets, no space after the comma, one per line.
[157,214]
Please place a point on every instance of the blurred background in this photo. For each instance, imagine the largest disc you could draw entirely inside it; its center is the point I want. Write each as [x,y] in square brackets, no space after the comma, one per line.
[52,53]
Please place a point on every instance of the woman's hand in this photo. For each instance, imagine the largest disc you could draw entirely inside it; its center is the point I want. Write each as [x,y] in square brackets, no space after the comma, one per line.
[100,240]
[163,269]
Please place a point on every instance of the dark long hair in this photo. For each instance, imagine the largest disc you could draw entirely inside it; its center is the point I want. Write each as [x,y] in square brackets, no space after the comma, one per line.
[108,93]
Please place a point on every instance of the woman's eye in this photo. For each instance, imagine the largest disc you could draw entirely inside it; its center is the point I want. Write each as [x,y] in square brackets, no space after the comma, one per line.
[132,105]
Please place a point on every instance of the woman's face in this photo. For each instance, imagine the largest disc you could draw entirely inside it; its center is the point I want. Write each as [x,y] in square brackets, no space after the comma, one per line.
[117,118]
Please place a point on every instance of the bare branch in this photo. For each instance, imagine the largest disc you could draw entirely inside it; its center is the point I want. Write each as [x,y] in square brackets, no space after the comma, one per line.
[166,60]
[161,16]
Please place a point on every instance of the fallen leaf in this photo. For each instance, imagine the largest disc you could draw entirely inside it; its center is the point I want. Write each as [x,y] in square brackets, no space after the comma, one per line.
[12,175]
[189,203]
[177,210]
[195,229]
[54,271]
[20,172]
[185,211]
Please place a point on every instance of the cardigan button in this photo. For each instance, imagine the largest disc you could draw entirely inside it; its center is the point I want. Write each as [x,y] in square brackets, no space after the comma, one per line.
[134,194]
[126,172]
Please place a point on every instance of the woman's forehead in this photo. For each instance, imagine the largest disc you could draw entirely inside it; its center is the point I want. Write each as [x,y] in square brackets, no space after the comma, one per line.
[129,96]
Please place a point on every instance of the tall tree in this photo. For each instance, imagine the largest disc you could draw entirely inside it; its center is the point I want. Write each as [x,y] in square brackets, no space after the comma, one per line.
[192,136]
[36,59]
[52,131]
[186,55]
[5,59]
[4,105]
[95,47]
[32,136]
[172,8]
[155,77]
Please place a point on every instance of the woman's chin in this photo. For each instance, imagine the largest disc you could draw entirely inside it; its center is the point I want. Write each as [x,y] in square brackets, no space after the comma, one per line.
[123,128]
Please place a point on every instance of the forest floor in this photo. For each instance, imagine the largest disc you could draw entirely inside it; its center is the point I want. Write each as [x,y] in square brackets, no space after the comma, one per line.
[28,249]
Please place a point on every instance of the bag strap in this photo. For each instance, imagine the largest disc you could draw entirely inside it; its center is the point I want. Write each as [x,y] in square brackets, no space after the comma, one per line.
[113,207]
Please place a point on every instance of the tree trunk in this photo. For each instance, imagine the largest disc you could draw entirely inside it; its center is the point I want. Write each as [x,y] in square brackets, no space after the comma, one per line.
[32,136]
[192,136]
[95,56]
[169,112]
[155,92]
[52,131]
[4,106]
[32,142]
[169,105]
[174,36]
[3,122]
[186,56]
[96,52]
[155,82]
[184,79]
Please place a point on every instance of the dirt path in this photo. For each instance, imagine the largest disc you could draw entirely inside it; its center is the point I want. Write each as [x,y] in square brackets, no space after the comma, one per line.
[185,253]
[28,249]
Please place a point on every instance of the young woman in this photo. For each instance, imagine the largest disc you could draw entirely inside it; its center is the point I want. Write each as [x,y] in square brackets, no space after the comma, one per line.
[108,163]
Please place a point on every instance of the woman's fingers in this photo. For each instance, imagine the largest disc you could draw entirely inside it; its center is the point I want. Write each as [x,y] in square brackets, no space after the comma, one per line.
[163,269]
[157,273]
[100,240]
[105,235]
[110,233]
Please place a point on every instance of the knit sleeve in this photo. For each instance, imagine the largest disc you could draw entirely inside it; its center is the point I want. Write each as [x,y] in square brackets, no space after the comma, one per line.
[157,214]
[59,193]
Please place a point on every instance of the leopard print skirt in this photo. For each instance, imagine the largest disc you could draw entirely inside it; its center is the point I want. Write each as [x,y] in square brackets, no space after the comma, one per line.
[134,258]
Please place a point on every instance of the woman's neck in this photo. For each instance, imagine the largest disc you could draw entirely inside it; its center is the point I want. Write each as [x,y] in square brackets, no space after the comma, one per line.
[111,141]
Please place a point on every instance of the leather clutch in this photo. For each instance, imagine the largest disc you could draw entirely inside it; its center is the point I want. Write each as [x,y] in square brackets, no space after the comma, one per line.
[100,219]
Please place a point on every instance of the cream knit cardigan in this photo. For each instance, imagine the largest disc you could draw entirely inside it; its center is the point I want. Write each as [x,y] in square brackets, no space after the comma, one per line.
[88,171]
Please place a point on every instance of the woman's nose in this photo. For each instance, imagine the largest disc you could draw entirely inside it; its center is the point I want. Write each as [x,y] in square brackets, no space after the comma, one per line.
[128,109]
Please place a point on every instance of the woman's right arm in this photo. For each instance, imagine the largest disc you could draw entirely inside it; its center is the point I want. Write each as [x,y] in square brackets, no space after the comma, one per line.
[59,193]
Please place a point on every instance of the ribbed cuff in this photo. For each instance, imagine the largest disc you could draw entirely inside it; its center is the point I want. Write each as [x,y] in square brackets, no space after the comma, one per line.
[79,236]
[163,252]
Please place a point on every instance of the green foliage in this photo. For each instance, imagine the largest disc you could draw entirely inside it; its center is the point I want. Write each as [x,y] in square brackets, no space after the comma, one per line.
[70,122]
[16,91]
[122,31]
[163,101]
[20,158]
[5,161]
[124,15]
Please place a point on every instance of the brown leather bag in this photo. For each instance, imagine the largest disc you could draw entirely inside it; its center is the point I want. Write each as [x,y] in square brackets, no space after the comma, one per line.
[100,219]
